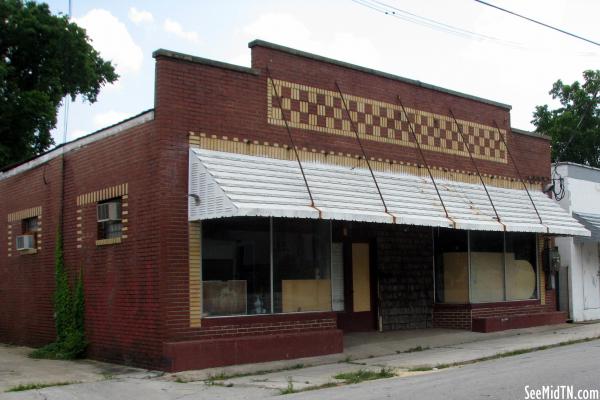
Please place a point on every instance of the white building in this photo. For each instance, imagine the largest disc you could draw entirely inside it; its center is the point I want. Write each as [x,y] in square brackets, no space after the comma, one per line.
[579,282]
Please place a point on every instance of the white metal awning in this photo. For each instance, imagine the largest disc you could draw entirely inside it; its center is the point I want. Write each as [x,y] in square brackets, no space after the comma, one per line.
[591,222]
[229,184]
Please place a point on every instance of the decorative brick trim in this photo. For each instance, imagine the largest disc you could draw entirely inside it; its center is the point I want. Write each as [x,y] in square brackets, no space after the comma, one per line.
[276,150]
[18,216]
[542,274]
[122,191]
[102,194]
[321,110]
[9,237]
[26,213]
[194,139]
[195,273]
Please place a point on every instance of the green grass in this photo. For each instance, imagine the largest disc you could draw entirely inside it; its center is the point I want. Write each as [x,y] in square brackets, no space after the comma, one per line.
[290,387]
[32,386]
[420,369]
[222,376]
[364,375]
[415,349]
[502,355]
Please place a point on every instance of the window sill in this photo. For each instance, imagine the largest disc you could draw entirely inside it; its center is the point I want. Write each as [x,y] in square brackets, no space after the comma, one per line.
[27,252]
[107,242]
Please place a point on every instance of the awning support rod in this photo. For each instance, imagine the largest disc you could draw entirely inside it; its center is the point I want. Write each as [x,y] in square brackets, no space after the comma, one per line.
[462,137]
[414,135]
[518,173]
[363,151]
[289,132]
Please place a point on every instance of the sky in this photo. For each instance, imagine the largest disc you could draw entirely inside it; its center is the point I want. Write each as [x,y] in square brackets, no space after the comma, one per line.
[469,47]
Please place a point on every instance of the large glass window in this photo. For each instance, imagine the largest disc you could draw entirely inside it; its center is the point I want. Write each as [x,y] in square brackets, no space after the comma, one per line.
[521,266]
[236,266]
[301,265]
[451,266]
[484,267]
[487,266]
[261,265]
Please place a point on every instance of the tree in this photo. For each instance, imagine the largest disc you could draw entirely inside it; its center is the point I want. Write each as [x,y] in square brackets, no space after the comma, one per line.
[575,126]
[43,58]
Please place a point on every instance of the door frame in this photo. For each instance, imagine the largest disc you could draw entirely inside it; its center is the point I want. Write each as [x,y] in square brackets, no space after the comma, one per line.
[365,321]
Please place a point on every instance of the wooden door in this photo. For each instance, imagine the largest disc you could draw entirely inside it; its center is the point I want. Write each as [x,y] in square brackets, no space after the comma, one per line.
[359,314]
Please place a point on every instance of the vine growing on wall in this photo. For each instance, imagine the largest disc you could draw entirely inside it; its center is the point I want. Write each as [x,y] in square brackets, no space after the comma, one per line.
[69,313]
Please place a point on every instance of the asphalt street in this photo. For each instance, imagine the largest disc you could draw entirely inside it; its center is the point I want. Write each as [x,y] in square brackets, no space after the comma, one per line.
[505,378]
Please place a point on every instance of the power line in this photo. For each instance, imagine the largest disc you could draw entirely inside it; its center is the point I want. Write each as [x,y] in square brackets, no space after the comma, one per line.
[436,23]
[538,22]
[396,12]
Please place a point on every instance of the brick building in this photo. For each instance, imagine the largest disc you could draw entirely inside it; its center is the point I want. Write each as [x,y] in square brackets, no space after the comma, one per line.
[205,239]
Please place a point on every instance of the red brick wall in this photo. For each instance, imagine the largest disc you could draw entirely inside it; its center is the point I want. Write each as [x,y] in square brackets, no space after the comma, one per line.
[223,102]
[216,328]
[137,292]
[460,316]
[27,281]
[123,320]
[452,316]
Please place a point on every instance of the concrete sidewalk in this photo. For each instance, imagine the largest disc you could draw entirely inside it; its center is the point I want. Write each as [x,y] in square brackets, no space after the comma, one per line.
[402,353]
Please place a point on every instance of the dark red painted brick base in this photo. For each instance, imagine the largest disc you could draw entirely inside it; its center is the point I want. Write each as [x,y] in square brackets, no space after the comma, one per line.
[501,323]
[492,317]
[198,354]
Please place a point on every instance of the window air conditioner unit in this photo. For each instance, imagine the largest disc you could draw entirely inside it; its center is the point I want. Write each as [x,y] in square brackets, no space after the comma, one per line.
[25,242]
[109,211]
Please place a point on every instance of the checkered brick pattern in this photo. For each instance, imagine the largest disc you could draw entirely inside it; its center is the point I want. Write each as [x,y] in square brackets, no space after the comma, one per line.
[321,110]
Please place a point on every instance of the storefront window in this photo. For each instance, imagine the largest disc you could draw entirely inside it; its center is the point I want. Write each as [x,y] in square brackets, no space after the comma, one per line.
[451,266]
[484,267]
[301,265]
[521,271]
[236,267]
[244,260]
[487,266]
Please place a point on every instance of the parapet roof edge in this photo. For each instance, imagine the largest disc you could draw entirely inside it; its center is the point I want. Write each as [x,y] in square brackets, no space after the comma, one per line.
[204,61]
[387,75]
[15,169]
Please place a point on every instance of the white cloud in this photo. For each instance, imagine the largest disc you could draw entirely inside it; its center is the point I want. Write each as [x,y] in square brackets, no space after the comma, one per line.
[174,27]
[110,37]
[107,118]
[140,16]
[77,133]
[288,30]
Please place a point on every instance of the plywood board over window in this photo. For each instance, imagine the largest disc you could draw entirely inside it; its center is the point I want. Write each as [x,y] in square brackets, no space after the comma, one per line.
[300,295]
[361,277]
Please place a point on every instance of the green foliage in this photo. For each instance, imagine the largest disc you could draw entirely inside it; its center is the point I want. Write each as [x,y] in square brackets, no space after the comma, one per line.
[32,386]
[579,105]
[43,58]
[69,309]
[290,387]
[365,375]
[63,301]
